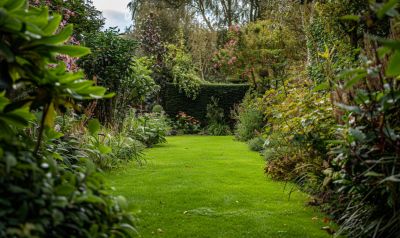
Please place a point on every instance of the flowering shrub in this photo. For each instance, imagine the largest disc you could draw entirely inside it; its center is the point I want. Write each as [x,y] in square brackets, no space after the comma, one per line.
[186,124]
[257,53]
[226,59]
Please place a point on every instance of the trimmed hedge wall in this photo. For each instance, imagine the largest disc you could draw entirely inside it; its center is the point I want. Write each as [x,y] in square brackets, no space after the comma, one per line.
[228,95]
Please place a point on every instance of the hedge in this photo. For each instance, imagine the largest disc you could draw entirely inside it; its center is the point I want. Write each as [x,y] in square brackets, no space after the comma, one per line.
[228,95]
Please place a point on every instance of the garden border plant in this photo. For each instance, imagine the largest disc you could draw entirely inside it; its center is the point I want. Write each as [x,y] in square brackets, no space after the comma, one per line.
[41,195]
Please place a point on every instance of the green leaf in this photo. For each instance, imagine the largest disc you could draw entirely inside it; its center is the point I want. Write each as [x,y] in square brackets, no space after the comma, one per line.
[14,5]
[391,4]
[357,134]
[392,44]
[35,19]
[4,2]
[355,79]
[351,18]
[94,127]
[349,108]
[10,161]
[6,53]
[50,116]
[73,51]
[91,199]
[19,118]
[383,51]
[393,178]
[104,149]
[59,38]
[51,134]
[321,87]
[64,190]
[52,25]
[393,69]
[373,174]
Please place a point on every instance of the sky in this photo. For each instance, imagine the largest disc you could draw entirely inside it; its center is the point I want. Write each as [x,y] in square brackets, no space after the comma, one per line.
[115,12]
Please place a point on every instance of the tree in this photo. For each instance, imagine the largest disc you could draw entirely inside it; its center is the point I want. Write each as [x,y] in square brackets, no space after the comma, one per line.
[215,14]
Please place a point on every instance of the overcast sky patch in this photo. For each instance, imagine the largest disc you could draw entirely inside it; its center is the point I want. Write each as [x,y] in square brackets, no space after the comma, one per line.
[115,12]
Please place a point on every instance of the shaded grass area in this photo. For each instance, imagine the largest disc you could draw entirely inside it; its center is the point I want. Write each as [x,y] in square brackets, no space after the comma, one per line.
[200,186]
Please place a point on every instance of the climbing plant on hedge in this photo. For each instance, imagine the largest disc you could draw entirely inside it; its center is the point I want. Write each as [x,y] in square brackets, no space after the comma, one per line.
[40,195]
[184,75]
[330,29]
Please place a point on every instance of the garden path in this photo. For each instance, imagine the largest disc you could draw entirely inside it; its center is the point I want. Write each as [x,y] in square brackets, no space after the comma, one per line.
[200,186]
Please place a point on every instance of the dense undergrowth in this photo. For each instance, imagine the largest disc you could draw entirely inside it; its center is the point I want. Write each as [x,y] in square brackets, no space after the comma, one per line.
[331,127]
[47,192]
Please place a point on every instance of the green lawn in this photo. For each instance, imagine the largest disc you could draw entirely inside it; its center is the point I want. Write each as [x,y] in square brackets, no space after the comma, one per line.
[200,186]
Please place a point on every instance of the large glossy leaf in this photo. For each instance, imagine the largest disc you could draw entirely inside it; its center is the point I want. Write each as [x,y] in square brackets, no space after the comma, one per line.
[91,199]
[73,51]
[387,8]
[390,43]
[50,116]
[321,87]
[393,69]
[52,25]
[12,5]
[59,38]
[37,17]
[19,118]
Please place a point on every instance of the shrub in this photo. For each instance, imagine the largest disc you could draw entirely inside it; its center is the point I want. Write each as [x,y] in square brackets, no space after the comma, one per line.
[157,109]
[298,132]
[256,144]
[42,195]
[284,168]
[108,149]
[216,120]
[125,148]
[186,124]
[117,69]
[366,165]
[249,120]
[149,128]
[218,129]
[97,149]
[38,200]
